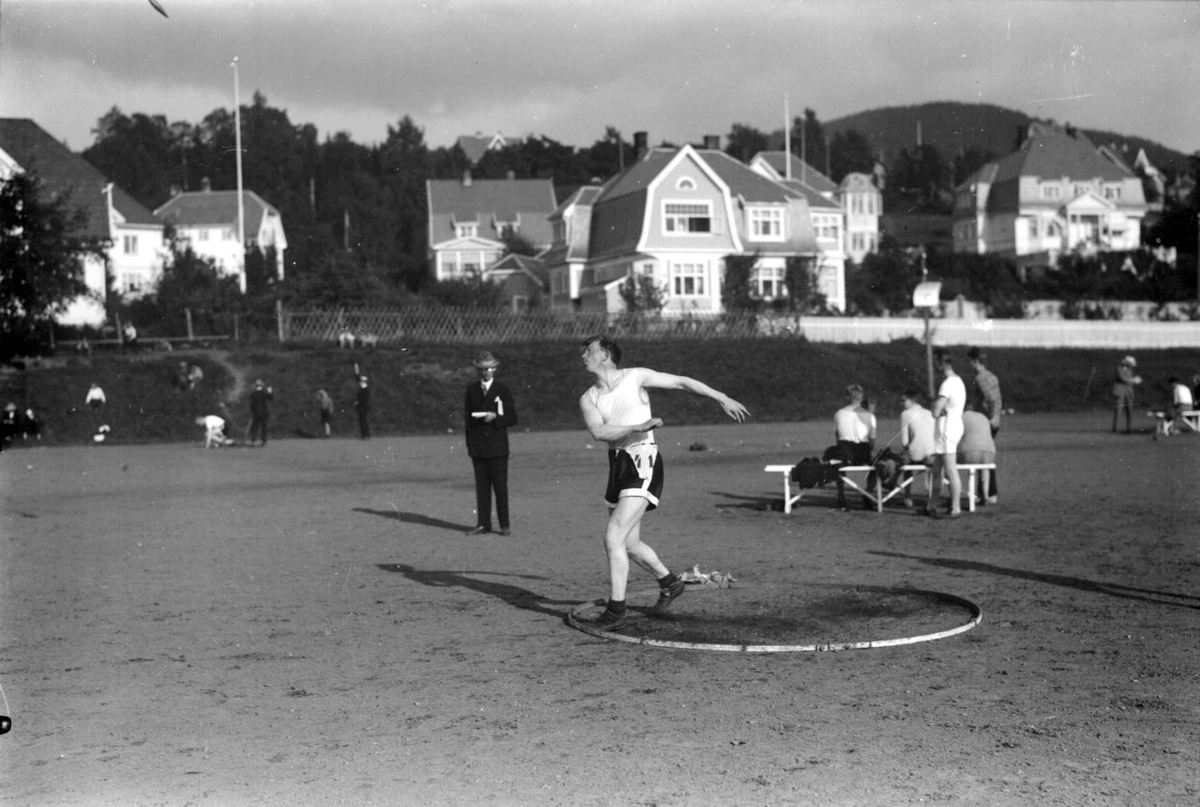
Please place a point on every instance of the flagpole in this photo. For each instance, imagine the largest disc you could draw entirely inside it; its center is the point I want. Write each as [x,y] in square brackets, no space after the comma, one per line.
[787,138]
[237,118]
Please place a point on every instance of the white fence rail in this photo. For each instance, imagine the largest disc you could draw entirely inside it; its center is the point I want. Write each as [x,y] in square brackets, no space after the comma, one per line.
[457,326]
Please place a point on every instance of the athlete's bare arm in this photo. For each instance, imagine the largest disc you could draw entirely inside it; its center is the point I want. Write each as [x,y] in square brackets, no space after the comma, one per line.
[657,380]
[610,432]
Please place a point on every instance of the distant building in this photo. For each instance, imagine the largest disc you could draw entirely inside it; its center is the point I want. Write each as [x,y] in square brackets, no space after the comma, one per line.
[863,205]
[1056,193]
[674,216]
[133,235]
[523,278]
[476,145]
[208,221]
[468,220]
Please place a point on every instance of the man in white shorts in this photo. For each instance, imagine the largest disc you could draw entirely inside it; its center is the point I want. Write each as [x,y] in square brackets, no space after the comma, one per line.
[616,409]
[214,430]
[947,431]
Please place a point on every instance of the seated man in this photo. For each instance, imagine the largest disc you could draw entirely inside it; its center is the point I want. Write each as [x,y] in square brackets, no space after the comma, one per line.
[854,426]
[1181,401]
[214,430]
[916,437]
[977,447]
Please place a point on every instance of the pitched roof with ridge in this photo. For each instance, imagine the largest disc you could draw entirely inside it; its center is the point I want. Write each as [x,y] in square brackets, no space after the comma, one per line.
[484,201]
[1051,153]
[212,208]
[65,174]
[811,176]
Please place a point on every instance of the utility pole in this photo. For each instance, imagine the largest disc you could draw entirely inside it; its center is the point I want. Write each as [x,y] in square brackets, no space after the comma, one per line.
[237,137]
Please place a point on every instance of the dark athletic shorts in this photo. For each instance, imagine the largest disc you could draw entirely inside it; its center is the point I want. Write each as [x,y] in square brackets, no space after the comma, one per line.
[637,471]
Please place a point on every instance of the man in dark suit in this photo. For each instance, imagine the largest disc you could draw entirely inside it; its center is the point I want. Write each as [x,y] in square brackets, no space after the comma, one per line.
[260,410]
[489,411]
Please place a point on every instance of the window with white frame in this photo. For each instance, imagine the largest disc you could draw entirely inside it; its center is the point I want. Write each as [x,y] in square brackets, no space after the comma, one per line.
[857,242]
[131,244]
[450,263]
[202,235]
[1080,190]
[1034,230]
[684,218]
[827,227]
[229,235]
[687,279]
[768,281]
[467,230]
[131,282]
[1051,192]
[766,223]
[1112,192]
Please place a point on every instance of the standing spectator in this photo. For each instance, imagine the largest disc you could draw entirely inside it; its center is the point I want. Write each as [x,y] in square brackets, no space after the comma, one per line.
[490,412]
[362,404]
[947,432]
[854,427]
[1123,391]
[616,409]
[325,407]
[260,410]
[8,424]
[978,447]
[131,337]
[31,425]
[986,399]
[916,436]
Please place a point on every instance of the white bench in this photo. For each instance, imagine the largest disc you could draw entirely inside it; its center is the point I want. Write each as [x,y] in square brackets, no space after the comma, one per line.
[878,496]
[1192,418]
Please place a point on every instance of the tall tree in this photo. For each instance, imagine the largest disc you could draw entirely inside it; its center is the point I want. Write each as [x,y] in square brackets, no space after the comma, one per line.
[744,141]
[42,250]
[809,135]
[850,152]
[135,152]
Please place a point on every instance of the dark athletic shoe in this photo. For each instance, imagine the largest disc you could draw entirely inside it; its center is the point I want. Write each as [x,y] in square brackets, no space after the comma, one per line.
[609,621]
[668,595]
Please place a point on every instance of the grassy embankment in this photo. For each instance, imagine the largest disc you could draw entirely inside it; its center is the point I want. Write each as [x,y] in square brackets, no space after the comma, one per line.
[419,390]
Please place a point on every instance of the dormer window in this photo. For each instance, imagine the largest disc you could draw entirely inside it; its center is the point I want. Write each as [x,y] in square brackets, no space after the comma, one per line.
[1051,192]
[765,223]
[1112,192]
[466,230]
[685,218]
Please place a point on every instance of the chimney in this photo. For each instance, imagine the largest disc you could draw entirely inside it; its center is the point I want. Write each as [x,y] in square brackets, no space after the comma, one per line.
[467,178]
[639,144]
[206,185]
[712,142]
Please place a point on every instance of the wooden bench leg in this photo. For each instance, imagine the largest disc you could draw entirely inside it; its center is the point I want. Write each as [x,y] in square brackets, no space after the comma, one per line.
[787,493]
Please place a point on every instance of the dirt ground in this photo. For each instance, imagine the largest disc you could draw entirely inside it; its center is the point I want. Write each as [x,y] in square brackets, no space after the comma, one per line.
[307,624]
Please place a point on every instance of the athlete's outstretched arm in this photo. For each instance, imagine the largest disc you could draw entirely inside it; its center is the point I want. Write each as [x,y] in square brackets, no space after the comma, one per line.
[657,380]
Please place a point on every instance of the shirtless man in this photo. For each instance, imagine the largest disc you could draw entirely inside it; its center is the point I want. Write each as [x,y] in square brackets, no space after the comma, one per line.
[616,410]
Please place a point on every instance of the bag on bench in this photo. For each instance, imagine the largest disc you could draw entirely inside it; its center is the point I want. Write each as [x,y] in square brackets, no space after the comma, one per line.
[809,472]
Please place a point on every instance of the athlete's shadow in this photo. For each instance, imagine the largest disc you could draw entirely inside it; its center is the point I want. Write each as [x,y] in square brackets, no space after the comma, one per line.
[513,595]
[415,518]
[1080,583]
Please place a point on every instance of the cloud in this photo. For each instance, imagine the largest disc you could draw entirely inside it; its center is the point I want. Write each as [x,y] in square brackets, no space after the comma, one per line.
[676,69]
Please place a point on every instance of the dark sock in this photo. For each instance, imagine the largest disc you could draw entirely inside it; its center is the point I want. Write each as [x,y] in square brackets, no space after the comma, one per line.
[616,606]
[669,580]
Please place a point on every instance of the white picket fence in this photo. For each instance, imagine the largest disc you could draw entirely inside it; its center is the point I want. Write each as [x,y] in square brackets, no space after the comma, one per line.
[458,326]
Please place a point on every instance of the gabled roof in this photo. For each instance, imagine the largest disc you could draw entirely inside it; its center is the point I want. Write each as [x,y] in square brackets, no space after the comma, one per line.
[64,173]
[742,181]
[801,171]
[815,200]
[475,146]
[529,202]
[213,208]
[1051,153]
[855,181]
[533,266]
[578,235]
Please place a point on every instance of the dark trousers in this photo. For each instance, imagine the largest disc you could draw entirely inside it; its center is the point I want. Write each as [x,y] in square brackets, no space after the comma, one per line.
[993,487]
[491,473]
[258,426]
[364,428]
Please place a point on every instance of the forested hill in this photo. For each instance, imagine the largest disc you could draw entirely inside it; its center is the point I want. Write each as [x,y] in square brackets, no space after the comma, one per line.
[954,126]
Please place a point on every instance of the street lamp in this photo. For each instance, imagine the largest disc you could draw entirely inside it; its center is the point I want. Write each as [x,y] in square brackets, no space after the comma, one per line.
[925,297]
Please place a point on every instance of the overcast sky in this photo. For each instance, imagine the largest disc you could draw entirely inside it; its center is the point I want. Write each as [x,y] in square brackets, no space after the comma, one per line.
[678,70]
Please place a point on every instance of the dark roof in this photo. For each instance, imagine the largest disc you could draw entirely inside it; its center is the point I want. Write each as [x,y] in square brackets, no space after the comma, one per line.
[215,208]
[475,146]
[64,174]
[530,264]
[486,201]
[815,200]
[811,176]
[751,186]
[1051,153]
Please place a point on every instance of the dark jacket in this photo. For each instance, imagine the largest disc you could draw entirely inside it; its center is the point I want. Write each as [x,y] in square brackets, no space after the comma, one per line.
[259,400]
[362,400]
[489,439]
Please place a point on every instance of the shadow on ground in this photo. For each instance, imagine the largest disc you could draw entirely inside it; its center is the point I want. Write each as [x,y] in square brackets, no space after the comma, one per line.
[513,595]
[1080,583]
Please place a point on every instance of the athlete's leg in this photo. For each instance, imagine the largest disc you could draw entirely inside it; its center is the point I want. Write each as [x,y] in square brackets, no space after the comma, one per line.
[623,520]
